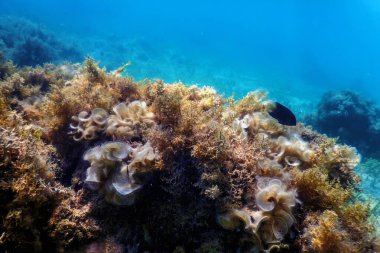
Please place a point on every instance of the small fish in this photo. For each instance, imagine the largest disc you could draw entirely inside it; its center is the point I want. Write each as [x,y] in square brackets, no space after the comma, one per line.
[283,115]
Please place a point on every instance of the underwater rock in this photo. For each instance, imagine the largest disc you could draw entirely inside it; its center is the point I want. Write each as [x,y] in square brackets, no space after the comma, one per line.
[351,118]
[27,44]
[171,168]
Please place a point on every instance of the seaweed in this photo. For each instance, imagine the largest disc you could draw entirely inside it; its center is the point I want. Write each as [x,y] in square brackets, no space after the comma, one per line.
[352,118]
[28,44]
[92,161]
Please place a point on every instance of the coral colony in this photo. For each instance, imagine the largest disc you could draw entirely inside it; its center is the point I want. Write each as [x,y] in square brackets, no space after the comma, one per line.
[94,162]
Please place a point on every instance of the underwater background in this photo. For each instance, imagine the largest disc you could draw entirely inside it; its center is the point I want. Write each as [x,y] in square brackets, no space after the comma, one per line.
[319,58]
[297,50]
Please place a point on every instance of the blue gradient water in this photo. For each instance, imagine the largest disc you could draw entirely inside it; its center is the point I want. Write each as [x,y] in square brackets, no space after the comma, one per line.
[295,49]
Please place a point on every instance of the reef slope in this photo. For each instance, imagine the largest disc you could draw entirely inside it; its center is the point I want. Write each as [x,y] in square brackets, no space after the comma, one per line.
[93,161]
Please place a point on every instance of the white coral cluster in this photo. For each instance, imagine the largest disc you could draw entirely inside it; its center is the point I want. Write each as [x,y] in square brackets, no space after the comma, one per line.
[126,122]
[116,169]
[272,221]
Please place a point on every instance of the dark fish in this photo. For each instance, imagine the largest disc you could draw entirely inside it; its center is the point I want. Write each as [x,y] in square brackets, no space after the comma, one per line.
[283,115]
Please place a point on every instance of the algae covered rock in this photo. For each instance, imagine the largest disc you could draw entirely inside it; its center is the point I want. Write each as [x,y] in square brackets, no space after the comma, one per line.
[352,118]
[95,162]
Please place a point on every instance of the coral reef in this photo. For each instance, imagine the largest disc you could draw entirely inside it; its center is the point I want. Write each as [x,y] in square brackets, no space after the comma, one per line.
[350,117]
[28,44]
[92,161]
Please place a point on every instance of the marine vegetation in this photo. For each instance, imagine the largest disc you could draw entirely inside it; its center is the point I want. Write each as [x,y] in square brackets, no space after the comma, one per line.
[28,44]
[351,117]
[92,161]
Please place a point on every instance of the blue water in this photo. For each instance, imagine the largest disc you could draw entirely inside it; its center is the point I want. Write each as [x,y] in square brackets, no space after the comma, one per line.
[295,49]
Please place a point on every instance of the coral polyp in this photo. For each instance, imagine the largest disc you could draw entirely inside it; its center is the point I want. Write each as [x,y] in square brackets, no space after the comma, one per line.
[92,160]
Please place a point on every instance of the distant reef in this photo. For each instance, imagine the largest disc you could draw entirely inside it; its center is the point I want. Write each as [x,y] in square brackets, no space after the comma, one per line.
[351,118]
[91,161]
[28,44]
